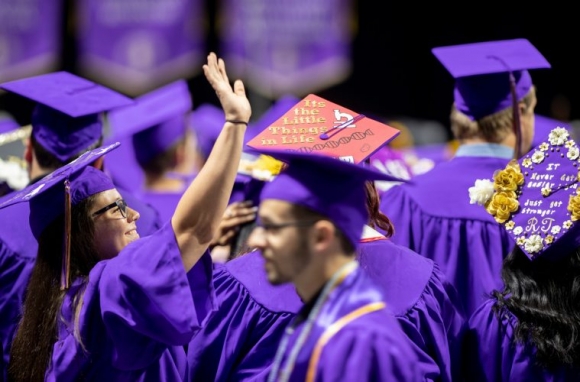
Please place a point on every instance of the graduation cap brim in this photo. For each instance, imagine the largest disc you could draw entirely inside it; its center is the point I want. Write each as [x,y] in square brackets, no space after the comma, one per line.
[67,93]
[490,57]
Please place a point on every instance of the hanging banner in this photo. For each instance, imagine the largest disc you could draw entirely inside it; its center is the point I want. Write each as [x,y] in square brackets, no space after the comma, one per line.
[135,46]
[287,47]
[30,40]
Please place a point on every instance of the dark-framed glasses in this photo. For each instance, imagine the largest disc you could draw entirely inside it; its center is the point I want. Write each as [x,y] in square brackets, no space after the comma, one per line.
[121,204]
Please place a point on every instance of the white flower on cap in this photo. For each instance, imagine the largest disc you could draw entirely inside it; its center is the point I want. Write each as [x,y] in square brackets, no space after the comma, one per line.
[558,136]
[481,192]
[14,174]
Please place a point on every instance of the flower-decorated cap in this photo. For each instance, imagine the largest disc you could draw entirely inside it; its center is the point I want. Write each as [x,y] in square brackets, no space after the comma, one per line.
[156,121]
[207,122]
[323,184]
[482,70]
[536,198]
[66,120]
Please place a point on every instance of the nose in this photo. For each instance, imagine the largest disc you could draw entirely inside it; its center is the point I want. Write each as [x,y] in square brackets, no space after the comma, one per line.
[256,238]
[132,215]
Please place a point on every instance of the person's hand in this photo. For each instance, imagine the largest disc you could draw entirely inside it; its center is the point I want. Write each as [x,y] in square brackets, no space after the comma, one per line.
[234,102]
[236,214]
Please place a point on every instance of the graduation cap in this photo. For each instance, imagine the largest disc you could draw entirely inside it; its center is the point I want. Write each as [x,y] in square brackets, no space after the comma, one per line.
[537,199]
[491,76]
[207,122]
[277,110]
[66,119]
[54,195]
[316,125]
[156,121]
[323,184]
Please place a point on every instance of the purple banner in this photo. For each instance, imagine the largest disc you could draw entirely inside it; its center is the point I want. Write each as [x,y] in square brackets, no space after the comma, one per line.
[135,46]
[29,37]
[287,47]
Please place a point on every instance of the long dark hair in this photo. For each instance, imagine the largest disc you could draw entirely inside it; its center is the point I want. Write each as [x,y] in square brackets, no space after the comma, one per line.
[37,332]
[544,295]
[376,217]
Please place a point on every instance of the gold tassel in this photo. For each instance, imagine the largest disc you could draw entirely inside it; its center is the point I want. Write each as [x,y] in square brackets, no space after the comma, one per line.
[516,118]
[65,270]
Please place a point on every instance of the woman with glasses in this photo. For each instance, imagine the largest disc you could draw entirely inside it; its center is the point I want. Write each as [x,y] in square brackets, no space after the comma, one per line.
[104,304]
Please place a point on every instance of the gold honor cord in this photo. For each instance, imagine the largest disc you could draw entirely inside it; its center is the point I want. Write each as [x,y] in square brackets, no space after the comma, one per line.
[65,270]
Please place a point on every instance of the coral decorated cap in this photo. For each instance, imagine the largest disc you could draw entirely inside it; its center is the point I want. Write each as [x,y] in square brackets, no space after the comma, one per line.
[536,199]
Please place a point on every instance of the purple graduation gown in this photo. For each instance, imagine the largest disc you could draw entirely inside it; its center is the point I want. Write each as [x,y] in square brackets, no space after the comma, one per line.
[137,313]
[353,337]
[231,346]
[423,301]
[17,256]
[490,353]
[238,343]
[433,217]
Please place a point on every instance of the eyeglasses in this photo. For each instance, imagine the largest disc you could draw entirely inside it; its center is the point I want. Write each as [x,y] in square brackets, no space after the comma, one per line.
[121,204]
[273,226]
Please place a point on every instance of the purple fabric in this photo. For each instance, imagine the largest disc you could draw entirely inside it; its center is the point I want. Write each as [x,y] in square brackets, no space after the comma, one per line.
[490,353]
[371,347]
[425,304]
[137,313]
[263,43]
[163,202]
[137,46]
[17,254]
[238,343]
[158,139]
[122,166]
[31,35]
[246,188]
[434,218]
[206,121]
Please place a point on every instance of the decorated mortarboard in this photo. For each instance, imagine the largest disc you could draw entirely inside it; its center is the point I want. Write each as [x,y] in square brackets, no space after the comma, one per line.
[482,73]
[536,199]
[315,125]
[207,122]
[542,127]
[323,184]
[253,172]
[66,120]
[277,110]
[156,121]
[53,195]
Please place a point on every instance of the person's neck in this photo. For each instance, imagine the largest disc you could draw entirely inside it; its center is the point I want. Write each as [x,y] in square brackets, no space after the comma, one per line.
[312,280]
[508,141]
[163,183]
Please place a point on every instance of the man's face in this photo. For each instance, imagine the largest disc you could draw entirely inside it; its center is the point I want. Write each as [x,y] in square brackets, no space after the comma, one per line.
[282,240]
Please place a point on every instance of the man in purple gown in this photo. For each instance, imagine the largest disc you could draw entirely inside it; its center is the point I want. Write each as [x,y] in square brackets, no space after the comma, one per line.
[62,129]
[308,235]
[433,216]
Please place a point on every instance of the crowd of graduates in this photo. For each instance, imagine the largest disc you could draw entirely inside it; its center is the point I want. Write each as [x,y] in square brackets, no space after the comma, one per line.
[158,241]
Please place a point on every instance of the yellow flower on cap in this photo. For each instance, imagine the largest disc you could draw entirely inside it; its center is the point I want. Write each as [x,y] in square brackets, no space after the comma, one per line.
[502,205]
[574,207]
[509,179]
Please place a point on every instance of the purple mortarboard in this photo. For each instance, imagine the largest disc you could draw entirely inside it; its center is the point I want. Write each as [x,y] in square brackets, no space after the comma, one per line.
[156,121]
[326,185]
[537,199]
[7,123]
[206,122]
[275,112]
[67,119]
[542,127]
[482,73]
[68,185]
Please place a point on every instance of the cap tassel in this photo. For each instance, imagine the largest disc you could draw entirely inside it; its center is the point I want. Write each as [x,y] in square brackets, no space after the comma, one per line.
[65,270]
[341,127]
[516,118]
